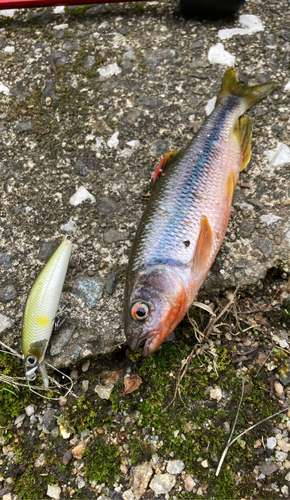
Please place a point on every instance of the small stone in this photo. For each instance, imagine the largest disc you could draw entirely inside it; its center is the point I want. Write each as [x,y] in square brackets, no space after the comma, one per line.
[5,323]
[215,393]
[81,195]
[286,464]
[85,385]
[23,126]
[175,466]
[7,293]
[40,461]
[287,477]
[49,419]
[204,463]
[280,456]
[89,61]
[123,468]
[128,495]
[86,366]
[141,477]
[78,450]
[285,490]
[48,101]
[67,457]
[104,391]
[278,388]
[29,410]
[283,445]
[62,401]
[189,483]
[19,419]
[53,491]
[271,443]
[162,483]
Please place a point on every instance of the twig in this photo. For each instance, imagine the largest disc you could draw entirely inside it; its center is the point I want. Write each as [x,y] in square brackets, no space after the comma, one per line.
[12,350]
[182,372]
[52,65]
[247,430]
[232,431]
[213,321]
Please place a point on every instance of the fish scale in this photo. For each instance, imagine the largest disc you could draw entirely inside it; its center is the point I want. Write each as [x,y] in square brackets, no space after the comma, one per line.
[186,218]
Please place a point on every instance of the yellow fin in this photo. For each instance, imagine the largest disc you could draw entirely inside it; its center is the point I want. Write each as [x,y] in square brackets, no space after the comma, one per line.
[203,247]
[231,186]
[250,95]
[243,132]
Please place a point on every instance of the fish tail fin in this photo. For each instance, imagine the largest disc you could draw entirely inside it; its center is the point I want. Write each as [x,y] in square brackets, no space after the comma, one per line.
[249,94]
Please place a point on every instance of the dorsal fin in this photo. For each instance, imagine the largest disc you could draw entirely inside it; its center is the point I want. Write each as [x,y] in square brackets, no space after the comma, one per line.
[203,247]
[165,163]
[243,132]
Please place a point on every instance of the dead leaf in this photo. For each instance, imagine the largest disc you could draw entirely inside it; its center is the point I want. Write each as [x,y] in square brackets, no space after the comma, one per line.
[111,377]
[238,358]
[261,320]
[131,384]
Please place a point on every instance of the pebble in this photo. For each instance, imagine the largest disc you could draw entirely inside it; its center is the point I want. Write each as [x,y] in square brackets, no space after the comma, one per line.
[268,468]
[280,456]
[123,468]
[141,477]
[29,410]
[67,457]
[62,401]
[215,393]
[7,293]
[287,477]
[189,483]
[283,445]
[64,432]
[86,366]
[175,466]
[204,464]
[19,419]
[162,483]
[53,491]
[78,450]
[104,392]
[278,388]
[286,464]
[271,443]
[5,323]
[85,385]
[40,461]
[49,419]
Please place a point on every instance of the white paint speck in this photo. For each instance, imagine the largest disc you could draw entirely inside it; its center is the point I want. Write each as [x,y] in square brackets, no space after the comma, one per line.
[218,55]
[81,195]
[210,106]
[269,219]
[4,89]
[287,86]
[9,49]
[8,12]
[5,323]
[69,227]
[134,144]
[252,25]
[61,26]
[113,141]
[110,70]
[59,9]
[279,157]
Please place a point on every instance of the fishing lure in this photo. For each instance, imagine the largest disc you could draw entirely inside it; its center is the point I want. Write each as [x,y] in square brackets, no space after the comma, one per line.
[40,311]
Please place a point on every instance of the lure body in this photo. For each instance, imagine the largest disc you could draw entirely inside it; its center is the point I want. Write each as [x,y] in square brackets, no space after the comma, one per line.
[186,218]
[41,308]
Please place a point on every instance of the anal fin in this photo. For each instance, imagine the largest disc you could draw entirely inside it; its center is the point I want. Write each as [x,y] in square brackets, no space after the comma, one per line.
[203,247]
[231,184]
[243,132]
[165,163]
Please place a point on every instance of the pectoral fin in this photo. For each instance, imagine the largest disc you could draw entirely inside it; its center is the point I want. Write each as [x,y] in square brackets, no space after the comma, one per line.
[203,247]
[243,132]
[165,163]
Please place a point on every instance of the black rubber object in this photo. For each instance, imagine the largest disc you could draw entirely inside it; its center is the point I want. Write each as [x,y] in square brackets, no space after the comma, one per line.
[209,8]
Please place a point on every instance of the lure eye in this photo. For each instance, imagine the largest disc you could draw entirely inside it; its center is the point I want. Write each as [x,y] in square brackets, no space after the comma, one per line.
[31,361]
[140,311]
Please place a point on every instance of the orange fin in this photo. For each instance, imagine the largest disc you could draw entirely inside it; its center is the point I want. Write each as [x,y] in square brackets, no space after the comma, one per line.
[165,163]
[243,132]
[203,247]
[231,186]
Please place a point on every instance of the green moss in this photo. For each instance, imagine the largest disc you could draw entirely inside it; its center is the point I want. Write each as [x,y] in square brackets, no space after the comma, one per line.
[79,10]
[103,461]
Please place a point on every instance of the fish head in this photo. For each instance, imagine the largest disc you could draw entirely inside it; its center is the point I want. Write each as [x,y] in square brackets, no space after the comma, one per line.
[33,357]
[156,305]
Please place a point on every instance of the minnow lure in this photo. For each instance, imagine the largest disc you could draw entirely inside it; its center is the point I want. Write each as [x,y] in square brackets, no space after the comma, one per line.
[186,218]
[40,311]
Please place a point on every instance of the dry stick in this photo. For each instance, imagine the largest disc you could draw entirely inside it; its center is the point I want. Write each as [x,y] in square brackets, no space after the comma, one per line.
[233,429]
[215,320]
[10,349]
[242,433]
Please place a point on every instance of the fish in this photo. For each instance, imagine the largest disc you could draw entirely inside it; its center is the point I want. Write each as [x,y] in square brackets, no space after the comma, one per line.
[186,218]
[40,311]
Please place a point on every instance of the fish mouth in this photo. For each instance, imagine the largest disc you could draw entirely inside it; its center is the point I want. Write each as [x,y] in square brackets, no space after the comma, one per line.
[134,343]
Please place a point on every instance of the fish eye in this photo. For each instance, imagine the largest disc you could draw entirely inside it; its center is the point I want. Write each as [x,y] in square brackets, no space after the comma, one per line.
[31,361]
[140,311]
